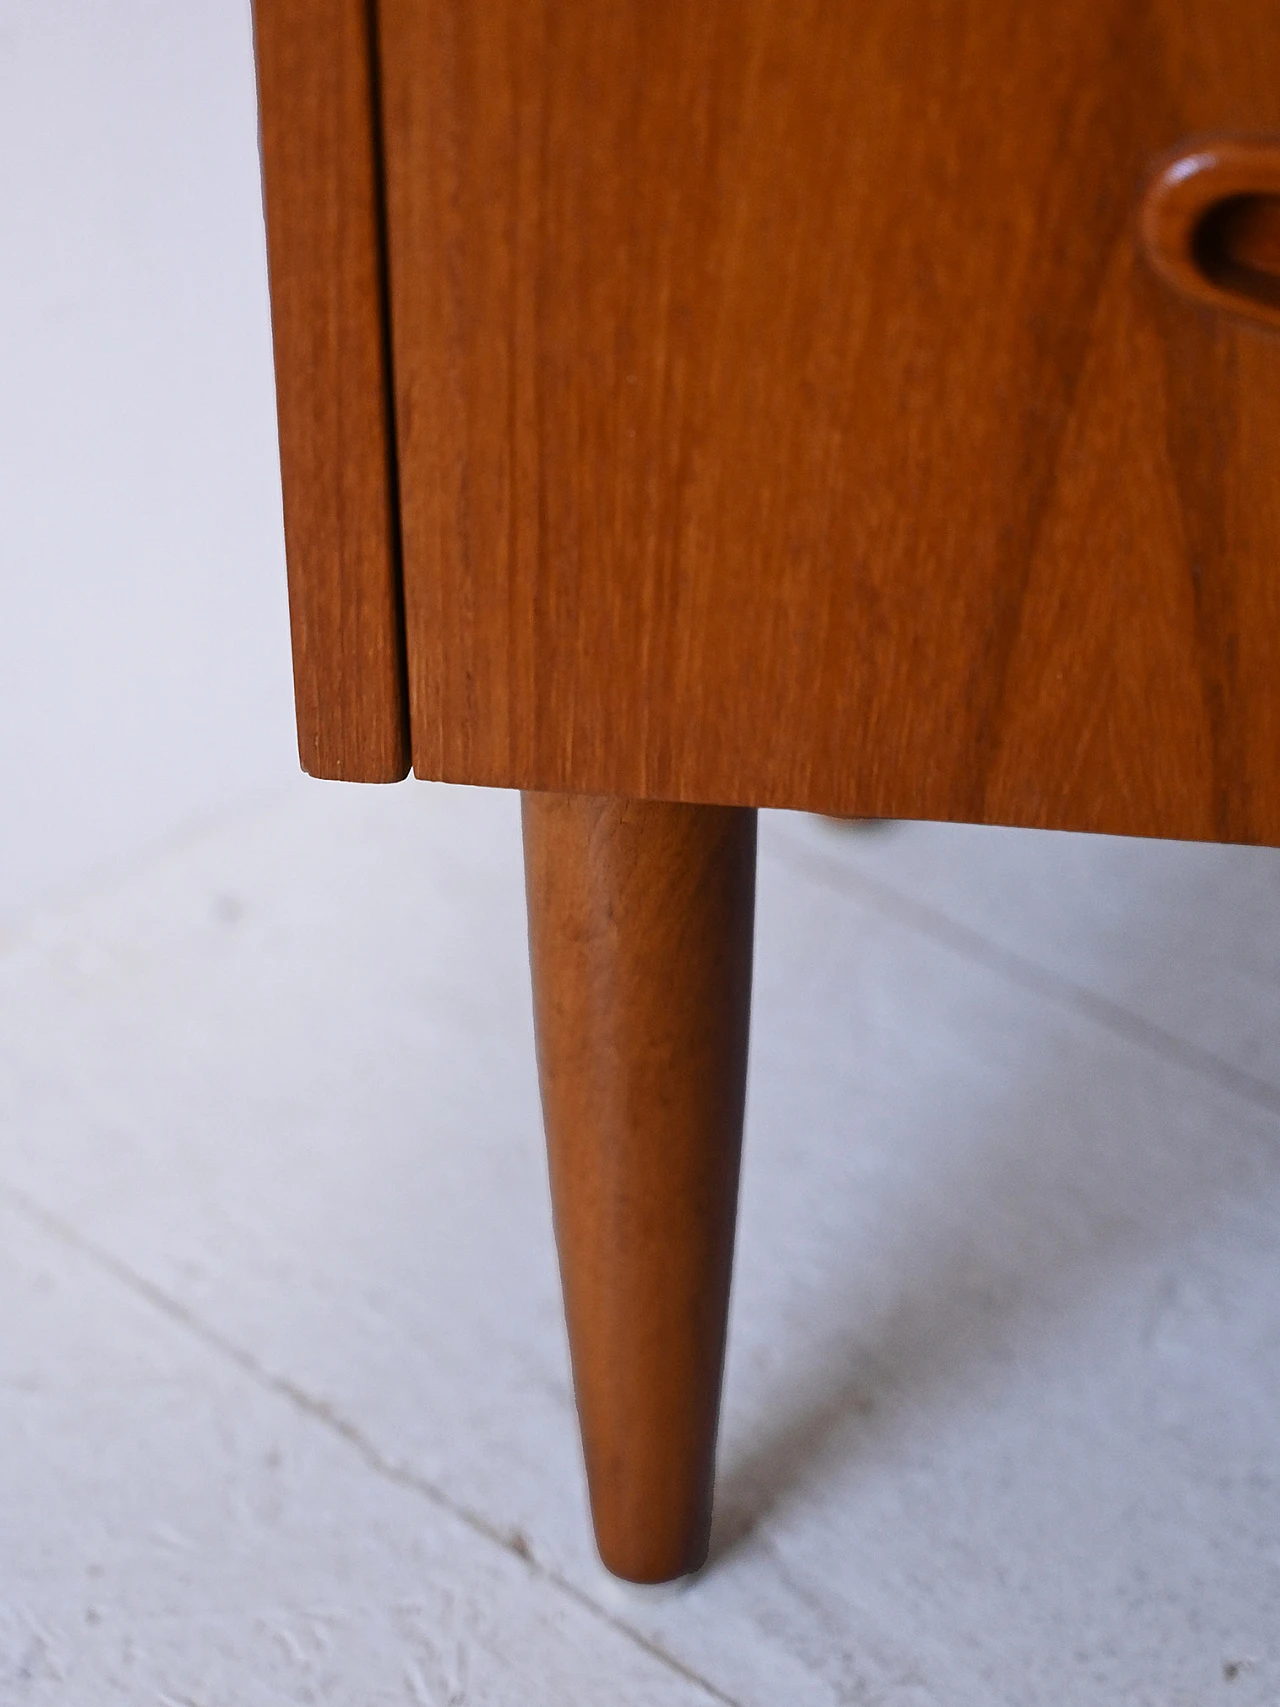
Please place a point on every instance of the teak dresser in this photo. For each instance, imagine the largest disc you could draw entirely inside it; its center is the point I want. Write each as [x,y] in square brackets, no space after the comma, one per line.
[687,406]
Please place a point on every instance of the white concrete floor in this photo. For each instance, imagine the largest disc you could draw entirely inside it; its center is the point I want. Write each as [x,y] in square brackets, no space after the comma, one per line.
[284,1408]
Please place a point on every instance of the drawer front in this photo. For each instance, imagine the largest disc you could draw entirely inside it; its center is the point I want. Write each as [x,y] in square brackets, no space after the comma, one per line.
[786,413]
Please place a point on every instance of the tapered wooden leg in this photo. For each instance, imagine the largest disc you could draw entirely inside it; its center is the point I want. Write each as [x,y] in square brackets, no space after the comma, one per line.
[640,933]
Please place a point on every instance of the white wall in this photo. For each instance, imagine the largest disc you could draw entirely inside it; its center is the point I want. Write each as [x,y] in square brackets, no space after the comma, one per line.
[144,659]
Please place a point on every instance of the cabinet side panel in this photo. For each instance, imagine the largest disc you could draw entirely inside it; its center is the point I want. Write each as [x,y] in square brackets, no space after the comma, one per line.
[788,417]
[322,194]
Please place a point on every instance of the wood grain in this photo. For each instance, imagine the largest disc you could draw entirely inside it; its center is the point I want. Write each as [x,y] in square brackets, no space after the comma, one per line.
[640,932]
[788,417]
[321,188]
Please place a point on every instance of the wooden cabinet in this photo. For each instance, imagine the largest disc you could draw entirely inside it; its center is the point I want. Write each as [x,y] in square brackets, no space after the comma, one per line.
[865,406]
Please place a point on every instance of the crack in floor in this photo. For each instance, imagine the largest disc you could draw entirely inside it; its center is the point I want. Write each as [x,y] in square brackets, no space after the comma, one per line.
[320,1411]
[1062,992]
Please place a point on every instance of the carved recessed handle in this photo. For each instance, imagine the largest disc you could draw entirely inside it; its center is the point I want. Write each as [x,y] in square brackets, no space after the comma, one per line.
[1211,226]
